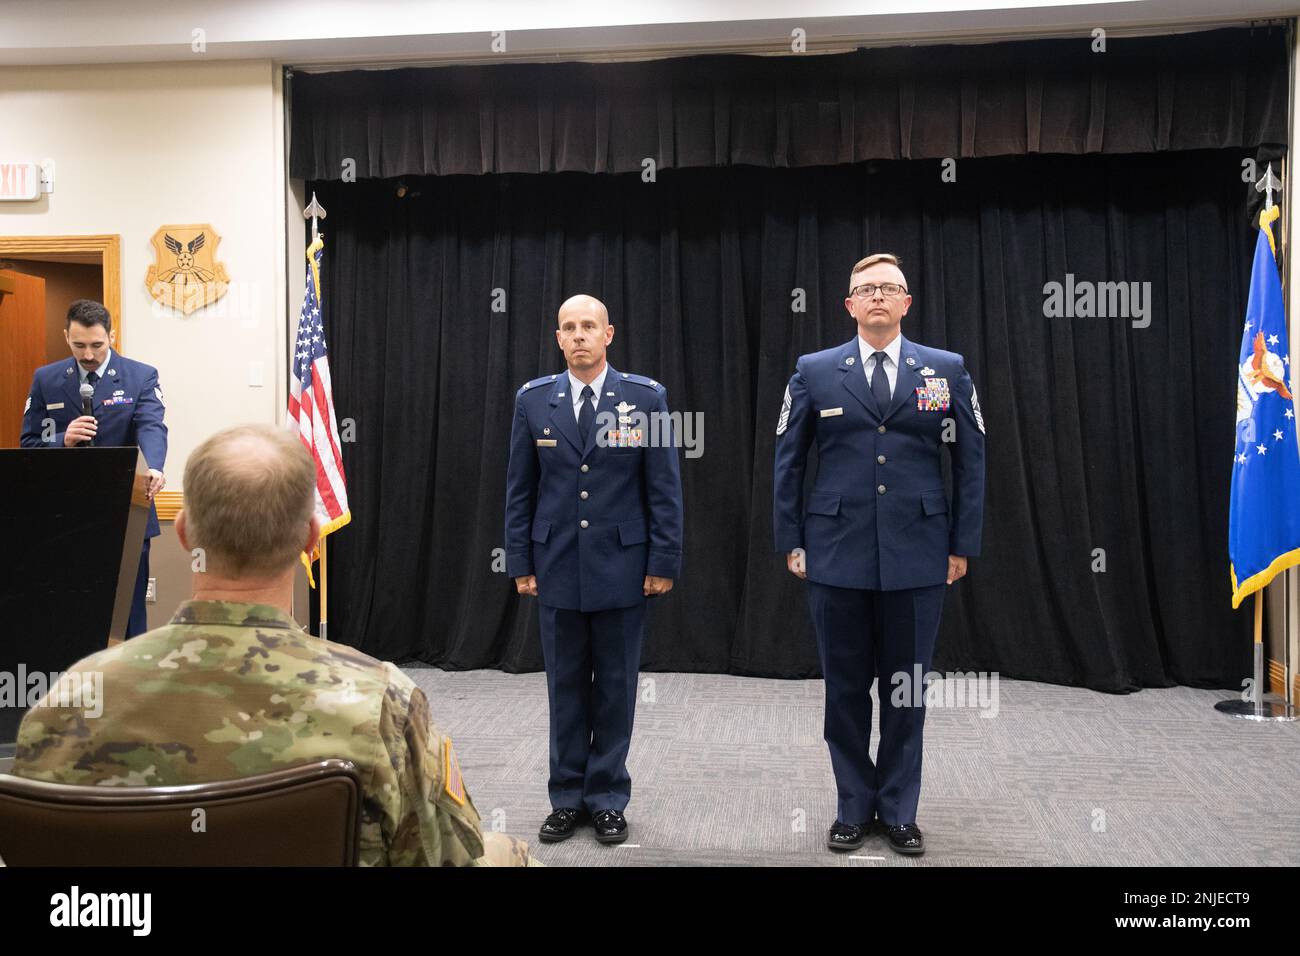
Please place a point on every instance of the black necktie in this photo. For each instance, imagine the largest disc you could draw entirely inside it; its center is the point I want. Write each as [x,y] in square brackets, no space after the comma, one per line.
[880,383]
[586,414]
[92,377]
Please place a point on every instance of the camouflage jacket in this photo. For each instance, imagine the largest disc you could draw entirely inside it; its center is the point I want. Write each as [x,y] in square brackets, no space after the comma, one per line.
[228,690]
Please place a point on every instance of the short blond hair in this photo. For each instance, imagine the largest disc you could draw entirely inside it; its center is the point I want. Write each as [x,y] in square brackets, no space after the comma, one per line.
[871,260]
[249,496]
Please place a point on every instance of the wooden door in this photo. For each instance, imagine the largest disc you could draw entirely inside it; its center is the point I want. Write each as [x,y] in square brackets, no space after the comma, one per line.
[22,348]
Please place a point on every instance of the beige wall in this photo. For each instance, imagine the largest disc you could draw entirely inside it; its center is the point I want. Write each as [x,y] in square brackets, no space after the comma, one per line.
[136,147]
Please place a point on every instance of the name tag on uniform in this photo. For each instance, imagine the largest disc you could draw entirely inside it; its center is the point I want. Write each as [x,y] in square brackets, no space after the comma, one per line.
[831,412]
[546,443]
[53,406]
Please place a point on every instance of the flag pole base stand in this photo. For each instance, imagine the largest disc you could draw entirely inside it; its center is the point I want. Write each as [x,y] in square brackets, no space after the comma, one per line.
[1257,710]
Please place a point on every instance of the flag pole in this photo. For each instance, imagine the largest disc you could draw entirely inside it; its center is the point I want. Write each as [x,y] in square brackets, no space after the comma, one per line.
[325,593]
[1261,688]
[315,211]
[1253,706]
[1285,278]
[1288,702]
[332,507]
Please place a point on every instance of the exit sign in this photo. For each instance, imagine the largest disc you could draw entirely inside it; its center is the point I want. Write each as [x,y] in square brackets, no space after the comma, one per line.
[20,181]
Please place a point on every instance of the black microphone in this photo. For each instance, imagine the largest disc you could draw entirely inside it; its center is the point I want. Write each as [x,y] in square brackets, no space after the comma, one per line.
[87,406]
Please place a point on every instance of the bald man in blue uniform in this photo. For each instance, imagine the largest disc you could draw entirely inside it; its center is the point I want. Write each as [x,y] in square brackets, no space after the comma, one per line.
[878,541]
[127,410]
[593,527]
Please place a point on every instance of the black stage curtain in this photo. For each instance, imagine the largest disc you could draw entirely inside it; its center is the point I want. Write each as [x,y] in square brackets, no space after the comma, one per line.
[1218,89]
[1100,435]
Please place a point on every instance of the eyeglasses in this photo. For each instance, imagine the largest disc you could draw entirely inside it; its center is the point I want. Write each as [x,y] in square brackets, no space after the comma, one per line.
[868,289]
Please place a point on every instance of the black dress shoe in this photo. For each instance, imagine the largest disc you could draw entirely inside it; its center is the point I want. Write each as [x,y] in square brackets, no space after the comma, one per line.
[610,826]
[561,824]
[847,836]
[906,839]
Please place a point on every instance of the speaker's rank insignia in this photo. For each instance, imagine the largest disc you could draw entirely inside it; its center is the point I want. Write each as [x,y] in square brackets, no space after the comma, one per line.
[784,420]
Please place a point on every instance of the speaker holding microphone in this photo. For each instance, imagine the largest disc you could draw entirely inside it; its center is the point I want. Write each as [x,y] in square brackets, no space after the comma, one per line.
[87,408]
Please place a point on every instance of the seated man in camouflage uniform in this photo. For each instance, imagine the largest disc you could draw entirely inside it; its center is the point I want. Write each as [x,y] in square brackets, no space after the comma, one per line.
[233,686]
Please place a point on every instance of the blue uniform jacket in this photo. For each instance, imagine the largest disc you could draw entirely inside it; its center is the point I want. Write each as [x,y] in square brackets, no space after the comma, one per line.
[878,517]
[592,521]
[128,407]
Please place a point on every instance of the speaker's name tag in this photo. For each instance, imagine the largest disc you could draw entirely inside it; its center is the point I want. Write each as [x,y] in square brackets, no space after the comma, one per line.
[546,443]
[53,406]
[831,412]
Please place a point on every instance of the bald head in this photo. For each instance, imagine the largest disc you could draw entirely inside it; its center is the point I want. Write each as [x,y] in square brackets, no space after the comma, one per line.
[583,333]
[249,500]
[582,304]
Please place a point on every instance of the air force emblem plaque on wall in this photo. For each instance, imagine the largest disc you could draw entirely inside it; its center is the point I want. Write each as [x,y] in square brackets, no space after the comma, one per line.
[186,274]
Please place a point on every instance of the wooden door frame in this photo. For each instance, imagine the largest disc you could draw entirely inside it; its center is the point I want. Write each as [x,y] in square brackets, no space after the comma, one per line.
[110,260]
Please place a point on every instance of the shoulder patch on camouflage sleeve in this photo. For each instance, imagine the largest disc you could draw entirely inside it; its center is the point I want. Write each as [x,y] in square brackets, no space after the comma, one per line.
[784,420]
[452,781]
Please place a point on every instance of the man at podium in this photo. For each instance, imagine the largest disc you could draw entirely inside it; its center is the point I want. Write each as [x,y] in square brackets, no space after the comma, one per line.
[126,409]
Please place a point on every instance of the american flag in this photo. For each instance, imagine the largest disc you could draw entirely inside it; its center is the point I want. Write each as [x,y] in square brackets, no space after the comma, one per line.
[311,405]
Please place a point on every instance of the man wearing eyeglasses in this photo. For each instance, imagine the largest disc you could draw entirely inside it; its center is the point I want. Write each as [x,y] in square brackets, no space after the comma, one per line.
[877,541]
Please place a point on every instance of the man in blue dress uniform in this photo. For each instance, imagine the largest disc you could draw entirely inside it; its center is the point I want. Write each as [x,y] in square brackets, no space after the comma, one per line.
[593,527]
[878,542]
[127,410]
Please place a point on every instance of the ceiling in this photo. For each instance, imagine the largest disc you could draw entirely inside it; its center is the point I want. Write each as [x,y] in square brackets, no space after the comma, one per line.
[325,33]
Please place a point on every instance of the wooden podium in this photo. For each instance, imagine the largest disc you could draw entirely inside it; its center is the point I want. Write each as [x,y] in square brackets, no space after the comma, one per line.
[72,522]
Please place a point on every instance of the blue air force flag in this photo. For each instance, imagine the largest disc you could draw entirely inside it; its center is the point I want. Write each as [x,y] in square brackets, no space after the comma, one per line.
[1264,513]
